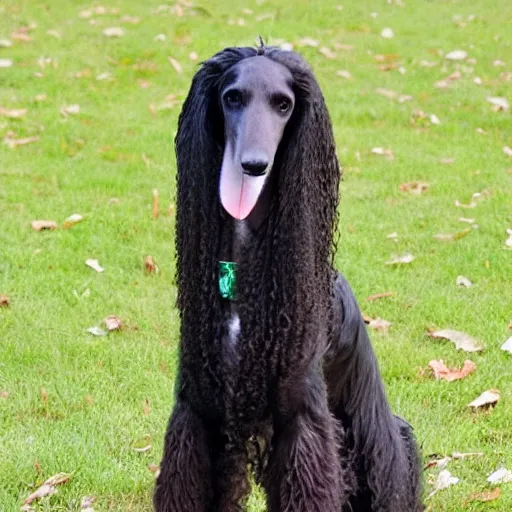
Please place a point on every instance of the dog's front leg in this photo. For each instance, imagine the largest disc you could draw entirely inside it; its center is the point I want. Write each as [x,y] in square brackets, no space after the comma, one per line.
[185,480]
[304,473]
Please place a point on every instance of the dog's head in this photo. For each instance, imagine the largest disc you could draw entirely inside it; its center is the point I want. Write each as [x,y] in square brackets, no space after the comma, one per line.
[256,98]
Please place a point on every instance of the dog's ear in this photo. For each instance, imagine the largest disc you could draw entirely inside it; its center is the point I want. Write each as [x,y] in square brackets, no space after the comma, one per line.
[199,147]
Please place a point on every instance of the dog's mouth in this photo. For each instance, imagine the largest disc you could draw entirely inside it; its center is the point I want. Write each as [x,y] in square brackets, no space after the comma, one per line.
[239,189]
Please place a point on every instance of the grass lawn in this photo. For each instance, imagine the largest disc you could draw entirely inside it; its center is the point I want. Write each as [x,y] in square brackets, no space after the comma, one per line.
[72,402]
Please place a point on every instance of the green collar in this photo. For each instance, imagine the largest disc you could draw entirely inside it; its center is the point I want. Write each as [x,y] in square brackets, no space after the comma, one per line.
[227,279]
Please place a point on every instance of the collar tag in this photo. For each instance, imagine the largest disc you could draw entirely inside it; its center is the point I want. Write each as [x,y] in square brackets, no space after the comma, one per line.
[227,279]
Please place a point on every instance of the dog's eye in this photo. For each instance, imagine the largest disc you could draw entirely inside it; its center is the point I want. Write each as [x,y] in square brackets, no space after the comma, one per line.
[233,98]
[284,105]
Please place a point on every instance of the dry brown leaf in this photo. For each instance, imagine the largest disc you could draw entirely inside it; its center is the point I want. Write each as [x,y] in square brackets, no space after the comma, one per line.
[113,32]
[153,468]
[387,33]
[308,41]
[5,63]
[392,95]
[441,371]
[499,104]
[448,237]
[155,211]
[97,331]
[72,220]
[39,225]
[400,260]
[383,152]
[4,300]
[327,52]
[443,481]
[48,488]
[13,113]
[149,265]
[112,323]
[87,502]
[343,73]
[484,496]
[4,394]
[94,264]
[456,55]
[507,151]
[175,64]
[377,296]
[487,399]
[379,324]
[448,81]
[70,110]
[462,340]
[146,407]
[13,143]
[414,187]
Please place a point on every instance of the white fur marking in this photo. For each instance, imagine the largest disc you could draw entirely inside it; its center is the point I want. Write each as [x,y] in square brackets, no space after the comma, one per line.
[234,329]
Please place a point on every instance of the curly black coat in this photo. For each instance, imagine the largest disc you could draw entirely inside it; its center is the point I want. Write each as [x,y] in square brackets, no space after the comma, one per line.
[301,398]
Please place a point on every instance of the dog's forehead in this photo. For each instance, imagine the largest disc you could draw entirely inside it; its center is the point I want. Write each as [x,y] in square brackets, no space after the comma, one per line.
[263,71]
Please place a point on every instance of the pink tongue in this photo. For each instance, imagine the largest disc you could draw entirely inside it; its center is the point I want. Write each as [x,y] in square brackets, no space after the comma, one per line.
[239,192]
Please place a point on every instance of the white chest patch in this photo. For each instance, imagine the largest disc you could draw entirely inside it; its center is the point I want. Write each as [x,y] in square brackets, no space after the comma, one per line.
[234,329]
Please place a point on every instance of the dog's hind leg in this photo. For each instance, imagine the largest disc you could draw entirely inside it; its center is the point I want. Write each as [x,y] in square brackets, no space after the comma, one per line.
[304,473]
[384,451]
[185,480]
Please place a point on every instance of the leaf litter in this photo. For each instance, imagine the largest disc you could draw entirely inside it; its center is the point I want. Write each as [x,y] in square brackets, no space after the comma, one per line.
[94,264]
[48,488]
[462,340]
[486,400]
[500,476]
[400,260]
[441,371]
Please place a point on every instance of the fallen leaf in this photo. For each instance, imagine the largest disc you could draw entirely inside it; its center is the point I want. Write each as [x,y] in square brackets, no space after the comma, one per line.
[441,371]
[13,113]
[5,43]
[507,346]
[133,20]
[54,33]
[39,225]
[443,481]
[414,187]
[477,80]
[67,110]
[327,52]
[462,340]
[449,80]
[498,103]
[150,265]
[142,445]
[48,488]
[456,55]
[112,323]
[94,264]
[448,237]
[193,56]
[379,324]
[4,300]
[383,152]
[86,503]
[175,64]
[307,41]
[392,95]
[155,212]
[72,220]
[487,399]
[434,119]
[508,241]
[400,260]
[153,468]
[97,331]
[13,143]
[5,63]
[500,476]
[392,236]
[4,394]
[484,496]
[344,74]
[507,151]
[377,296]
[113,32]
[467,220]
[146,407]
[44,395]
[463,282]
[387,33]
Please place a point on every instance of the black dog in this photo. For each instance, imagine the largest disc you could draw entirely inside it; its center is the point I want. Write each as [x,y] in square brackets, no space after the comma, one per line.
[276,369]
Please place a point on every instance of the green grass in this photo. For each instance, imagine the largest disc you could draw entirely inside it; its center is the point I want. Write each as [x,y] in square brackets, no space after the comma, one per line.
[103,394]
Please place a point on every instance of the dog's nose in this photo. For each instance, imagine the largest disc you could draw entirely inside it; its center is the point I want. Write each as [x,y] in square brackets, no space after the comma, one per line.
[255,167]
